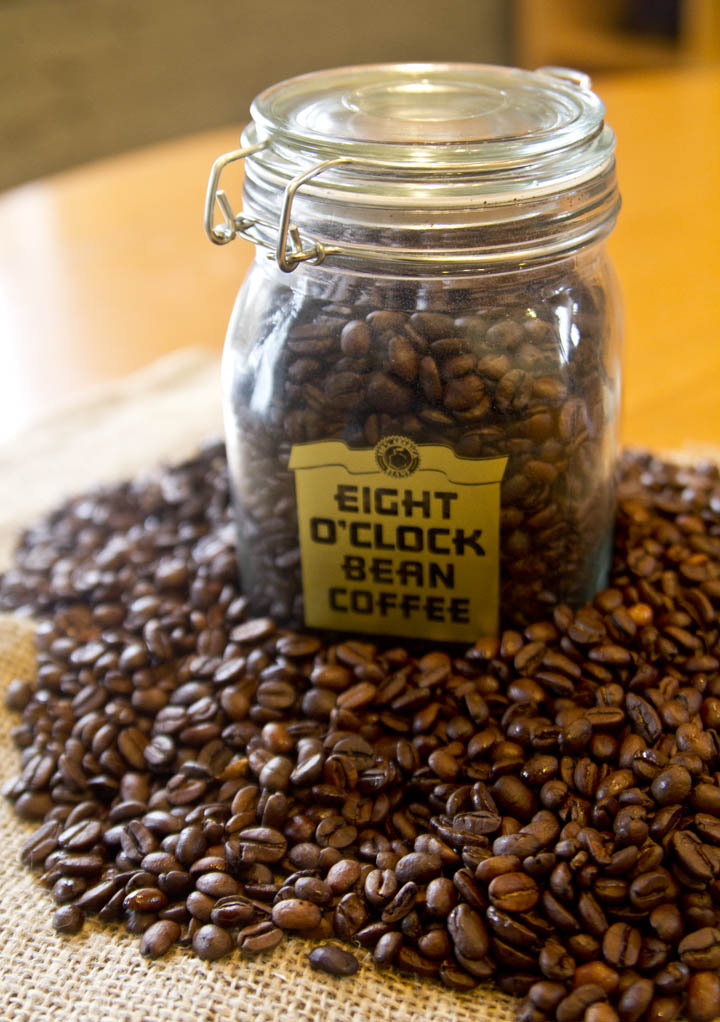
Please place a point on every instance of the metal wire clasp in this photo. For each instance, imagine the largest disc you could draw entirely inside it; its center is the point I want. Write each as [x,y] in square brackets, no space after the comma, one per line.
[290,249]
[288,259]
[221,234]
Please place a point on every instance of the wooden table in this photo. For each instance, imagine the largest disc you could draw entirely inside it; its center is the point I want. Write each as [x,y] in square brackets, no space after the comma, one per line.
[105,268]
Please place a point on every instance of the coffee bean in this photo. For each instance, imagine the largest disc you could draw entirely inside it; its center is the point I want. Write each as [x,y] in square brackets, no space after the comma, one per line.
[468,932]
[440,897]
[211,942]
[349,916]
[671,786]
[401,904]
[18,694]
[601,1012]
[343,875]
[159,938]
[703,997]
[635,1000]
[420,867]
[514,892]
[145,899]
[387,948]
[261,844]
[334,960]
[701,949]
[69,919]
[259,937]
[621,945]
[575,1004]
[296,914]
[664,1009]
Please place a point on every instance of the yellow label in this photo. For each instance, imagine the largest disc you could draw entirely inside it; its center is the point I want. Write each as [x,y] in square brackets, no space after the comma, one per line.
[402,539]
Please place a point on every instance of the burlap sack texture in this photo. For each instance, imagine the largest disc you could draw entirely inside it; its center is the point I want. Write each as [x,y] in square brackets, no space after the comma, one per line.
[99,975]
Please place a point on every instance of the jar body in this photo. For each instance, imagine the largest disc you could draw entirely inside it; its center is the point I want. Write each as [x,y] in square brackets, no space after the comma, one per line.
[522,364]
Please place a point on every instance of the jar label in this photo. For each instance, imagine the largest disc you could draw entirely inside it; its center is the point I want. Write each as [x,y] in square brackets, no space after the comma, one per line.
[401,539]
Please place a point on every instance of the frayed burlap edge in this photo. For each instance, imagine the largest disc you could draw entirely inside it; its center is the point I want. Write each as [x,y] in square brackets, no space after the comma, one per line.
[99,975]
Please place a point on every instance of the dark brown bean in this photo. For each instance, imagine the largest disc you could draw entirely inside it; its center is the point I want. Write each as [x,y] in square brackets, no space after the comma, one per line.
[334,960]
[159,938]
[703,997]
[68,919]
[514,892]
[211,942]
[296,914]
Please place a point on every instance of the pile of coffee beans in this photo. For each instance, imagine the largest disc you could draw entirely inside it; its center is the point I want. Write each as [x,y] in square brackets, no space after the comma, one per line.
[541,810]
[525,374]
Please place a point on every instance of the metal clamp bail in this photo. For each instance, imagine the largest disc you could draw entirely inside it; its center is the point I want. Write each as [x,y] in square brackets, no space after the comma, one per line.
[288,260]
[221,234]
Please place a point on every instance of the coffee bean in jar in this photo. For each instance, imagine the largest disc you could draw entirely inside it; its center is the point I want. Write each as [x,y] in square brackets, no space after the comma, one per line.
[422,368]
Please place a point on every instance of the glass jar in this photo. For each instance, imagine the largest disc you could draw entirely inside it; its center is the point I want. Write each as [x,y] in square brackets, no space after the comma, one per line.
[421,373]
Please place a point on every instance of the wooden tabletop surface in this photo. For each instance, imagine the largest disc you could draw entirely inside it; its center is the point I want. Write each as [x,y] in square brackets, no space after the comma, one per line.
[106,267]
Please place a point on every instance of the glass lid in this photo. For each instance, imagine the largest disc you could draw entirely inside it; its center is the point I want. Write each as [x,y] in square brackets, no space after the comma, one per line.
[473,112]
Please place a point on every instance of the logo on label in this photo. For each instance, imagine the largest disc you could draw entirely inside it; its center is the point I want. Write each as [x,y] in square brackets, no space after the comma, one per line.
[397,456]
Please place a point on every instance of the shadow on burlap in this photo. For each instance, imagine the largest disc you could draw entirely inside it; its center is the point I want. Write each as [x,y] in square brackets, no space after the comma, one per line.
[99,975]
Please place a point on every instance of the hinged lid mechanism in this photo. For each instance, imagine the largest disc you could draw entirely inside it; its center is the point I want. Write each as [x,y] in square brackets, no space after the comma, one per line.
[423,164]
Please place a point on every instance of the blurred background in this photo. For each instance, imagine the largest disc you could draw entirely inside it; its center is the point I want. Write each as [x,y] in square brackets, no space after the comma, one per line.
[81,79]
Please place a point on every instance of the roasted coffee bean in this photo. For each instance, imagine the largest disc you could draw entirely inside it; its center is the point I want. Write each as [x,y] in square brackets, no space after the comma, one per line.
[555,963]
[260,844]
[313,889]
[159,938]
[514,892]
[621,945]
[601,1011]
[95,897]
[145,899]
[672,979]
[334,960]
[296,914]
[67,889]
[211,942]
[440,897]
[420,867]
[671,786]
[597,972]
[635,999]
[574,1005]
[664,1009]
[349,916]
[468,933]
[259,937]
[401,904]
[18,694]
[703,997]
[343,875]
[232,911]
[387,948]
[701,949]
[68,919]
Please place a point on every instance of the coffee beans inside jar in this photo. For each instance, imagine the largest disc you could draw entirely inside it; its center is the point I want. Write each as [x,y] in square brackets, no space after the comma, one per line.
[493,378]
[422,380]
[539,810]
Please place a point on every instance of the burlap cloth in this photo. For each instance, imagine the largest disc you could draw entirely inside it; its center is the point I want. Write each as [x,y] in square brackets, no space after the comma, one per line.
[159,414]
